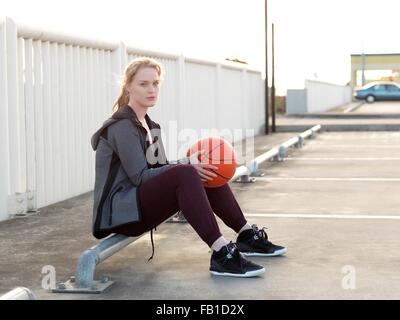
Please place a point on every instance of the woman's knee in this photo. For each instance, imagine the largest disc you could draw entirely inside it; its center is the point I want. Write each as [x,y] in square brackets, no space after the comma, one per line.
[186,171]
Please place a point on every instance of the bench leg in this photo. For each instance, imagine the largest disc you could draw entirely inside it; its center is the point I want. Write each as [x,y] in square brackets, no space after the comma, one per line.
[83,281]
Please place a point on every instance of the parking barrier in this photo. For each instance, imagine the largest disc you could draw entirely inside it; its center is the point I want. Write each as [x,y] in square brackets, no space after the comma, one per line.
[19,293]
[83,281]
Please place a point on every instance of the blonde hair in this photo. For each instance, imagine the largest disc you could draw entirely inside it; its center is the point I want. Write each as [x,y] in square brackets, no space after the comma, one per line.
[129,73]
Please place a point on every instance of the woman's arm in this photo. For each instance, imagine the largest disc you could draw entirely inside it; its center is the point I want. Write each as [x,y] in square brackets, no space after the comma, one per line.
[184,160]
[200,167]
[125,139]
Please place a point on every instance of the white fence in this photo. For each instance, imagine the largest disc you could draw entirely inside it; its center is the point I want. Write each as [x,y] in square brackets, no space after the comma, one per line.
[317,97]
[56,90]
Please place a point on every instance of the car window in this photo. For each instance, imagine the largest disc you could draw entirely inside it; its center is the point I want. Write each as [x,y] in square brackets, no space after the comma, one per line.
[379,87]
[391,87]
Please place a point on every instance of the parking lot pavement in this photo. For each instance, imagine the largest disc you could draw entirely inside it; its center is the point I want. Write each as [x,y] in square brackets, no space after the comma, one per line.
[379,107]
[346,108]
[333,203]
[378,116]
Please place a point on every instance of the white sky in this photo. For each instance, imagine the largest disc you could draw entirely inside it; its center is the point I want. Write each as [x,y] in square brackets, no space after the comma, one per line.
[314,38]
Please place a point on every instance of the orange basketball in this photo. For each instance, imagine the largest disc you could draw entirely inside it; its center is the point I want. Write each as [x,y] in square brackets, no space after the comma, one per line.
[220,153]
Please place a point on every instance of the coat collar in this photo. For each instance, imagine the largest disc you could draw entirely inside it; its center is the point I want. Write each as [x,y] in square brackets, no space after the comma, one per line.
[126,112]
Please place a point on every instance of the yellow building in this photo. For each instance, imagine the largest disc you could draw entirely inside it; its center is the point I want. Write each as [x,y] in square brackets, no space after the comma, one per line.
[377,67]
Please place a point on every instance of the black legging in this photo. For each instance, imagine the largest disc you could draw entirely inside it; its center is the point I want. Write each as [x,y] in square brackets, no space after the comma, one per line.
[181,188]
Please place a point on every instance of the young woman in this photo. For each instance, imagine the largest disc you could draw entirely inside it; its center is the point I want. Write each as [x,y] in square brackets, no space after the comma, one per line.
[133,193]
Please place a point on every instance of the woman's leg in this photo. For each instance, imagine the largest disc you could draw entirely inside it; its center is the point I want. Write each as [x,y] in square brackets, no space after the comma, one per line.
[225,206]
[179,188]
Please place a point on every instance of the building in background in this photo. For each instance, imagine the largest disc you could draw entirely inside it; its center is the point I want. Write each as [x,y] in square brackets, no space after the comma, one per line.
[377,67]
[317,96]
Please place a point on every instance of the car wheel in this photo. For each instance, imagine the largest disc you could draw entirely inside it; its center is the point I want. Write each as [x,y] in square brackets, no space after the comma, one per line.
[370,99]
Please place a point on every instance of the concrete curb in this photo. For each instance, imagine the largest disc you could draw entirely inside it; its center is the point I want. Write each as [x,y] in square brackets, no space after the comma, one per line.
[353,108]
[341,127]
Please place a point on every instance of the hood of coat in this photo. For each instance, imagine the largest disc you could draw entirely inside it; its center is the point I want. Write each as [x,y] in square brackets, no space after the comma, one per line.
[124,112]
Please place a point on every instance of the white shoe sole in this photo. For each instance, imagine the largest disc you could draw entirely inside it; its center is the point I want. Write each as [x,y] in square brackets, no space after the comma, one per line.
[248,274]
[256,254]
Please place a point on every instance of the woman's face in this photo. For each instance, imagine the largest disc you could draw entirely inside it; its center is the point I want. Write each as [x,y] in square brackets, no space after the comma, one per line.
[144,88]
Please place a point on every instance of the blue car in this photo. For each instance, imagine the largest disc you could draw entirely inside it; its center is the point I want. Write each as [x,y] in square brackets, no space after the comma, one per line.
[378,91]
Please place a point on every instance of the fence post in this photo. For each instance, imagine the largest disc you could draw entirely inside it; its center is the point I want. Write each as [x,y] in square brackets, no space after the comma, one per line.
[4,143]
[181,92]
[12,102]
[218,98]
[119,60]
[245,108]
[9,113]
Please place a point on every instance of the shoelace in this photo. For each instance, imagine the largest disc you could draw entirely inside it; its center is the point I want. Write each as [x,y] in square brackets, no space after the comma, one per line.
[260,232]
[234,252]
[152,244]
[231,247]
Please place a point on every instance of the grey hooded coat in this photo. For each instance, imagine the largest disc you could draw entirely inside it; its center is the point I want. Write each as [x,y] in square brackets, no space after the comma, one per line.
[121,167]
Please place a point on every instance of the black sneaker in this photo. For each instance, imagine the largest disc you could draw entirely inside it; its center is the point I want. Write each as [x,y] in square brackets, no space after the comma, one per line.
[254,242]
[229,262]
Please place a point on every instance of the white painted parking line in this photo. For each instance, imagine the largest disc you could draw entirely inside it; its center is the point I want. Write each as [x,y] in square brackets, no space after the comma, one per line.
[322,216]
[348,146]
[328,179]
[345,159]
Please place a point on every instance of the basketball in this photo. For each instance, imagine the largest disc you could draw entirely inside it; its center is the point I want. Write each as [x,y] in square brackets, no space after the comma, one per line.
[217,152]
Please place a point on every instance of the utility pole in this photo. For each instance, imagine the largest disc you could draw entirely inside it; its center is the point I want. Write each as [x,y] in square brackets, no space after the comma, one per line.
[362,69]
[266,70]
[362,65]
[273,80]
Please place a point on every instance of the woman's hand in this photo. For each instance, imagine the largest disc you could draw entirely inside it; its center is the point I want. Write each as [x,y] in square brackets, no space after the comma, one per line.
[202,167]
